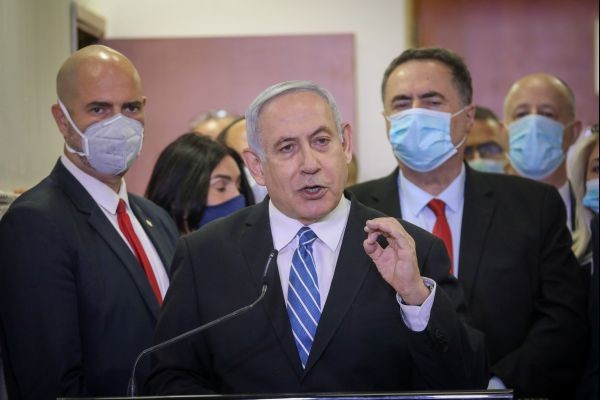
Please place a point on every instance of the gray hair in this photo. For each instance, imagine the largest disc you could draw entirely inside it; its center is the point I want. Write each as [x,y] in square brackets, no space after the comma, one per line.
[279,89]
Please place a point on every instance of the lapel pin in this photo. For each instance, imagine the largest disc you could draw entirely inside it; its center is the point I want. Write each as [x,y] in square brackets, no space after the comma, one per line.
[149,223]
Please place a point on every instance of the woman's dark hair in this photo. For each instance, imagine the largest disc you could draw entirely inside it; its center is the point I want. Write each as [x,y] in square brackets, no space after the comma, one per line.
[181,178]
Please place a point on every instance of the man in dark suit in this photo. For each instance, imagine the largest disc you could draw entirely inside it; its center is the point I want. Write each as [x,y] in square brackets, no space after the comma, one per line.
[362,318]
[507,235]
[83,262]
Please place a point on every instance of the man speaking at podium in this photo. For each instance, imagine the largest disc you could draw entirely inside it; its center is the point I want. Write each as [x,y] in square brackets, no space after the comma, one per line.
[346,310]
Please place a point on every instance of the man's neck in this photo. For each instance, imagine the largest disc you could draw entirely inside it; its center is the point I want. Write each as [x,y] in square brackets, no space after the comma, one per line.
[436,181]
[113,182]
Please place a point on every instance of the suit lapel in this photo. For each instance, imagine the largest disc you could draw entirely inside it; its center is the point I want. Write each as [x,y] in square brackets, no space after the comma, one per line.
[386,195]
[150,227]
[257,243]
[350,272]
[477,216]
[96,218]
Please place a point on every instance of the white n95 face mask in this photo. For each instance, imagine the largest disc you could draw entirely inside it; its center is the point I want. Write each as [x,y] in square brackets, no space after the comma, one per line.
[111,145]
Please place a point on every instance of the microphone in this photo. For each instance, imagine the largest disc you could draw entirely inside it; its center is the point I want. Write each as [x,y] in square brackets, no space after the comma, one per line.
[132,387]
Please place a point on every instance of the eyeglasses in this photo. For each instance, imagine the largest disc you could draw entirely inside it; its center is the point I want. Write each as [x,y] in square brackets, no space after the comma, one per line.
[485,150]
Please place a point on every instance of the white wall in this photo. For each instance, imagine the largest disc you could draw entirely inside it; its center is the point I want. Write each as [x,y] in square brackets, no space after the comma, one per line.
[34,41]
[378,26]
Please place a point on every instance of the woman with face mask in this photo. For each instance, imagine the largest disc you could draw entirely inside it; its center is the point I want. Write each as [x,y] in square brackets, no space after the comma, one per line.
[582,170]
[197,180]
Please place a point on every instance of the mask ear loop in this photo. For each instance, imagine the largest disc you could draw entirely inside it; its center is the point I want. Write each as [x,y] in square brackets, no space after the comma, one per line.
[464,139]
[84,142]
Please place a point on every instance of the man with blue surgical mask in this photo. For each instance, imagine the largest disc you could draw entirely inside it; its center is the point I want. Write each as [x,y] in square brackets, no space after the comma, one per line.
[485,145]
[506,236]
[84,263]
[539,114]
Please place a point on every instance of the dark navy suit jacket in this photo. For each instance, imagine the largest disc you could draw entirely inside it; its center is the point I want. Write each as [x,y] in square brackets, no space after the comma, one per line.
[75,306]
[522,282]
[361,343]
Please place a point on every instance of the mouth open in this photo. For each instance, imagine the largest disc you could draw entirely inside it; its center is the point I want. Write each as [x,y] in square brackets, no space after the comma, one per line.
[313,192]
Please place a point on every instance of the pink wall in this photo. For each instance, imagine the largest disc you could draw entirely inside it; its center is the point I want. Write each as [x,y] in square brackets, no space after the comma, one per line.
[184,77]
[502,41]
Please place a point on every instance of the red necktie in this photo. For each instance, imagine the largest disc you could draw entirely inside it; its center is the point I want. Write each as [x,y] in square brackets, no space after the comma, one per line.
[138,249]
[441,228]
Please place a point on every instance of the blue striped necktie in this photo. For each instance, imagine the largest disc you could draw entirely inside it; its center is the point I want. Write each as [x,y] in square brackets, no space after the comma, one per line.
[304,301]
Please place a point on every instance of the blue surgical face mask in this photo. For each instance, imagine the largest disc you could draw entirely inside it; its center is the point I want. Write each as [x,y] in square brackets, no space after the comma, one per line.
[421,138]
[111,145]
[590,200]
[222,210]
[487,165]
[535,146]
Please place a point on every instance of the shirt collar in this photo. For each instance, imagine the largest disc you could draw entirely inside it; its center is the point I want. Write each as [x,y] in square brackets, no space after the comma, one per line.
[329,229]
[415,199]
[103,195]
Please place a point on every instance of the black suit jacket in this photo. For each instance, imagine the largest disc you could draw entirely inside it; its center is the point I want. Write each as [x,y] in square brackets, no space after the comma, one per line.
[361,343]
[75,306]
[521,279]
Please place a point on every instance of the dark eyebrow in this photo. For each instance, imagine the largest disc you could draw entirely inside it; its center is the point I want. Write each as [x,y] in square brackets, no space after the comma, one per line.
[135,103]
[431,94]
[400,97]
[427,95]
[101,104]
[224,177]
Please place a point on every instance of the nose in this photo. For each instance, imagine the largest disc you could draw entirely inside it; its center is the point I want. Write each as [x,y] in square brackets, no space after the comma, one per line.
[310,161]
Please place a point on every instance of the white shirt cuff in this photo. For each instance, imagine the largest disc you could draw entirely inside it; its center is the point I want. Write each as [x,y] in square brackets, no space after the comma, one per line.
[496,383]
[416,318]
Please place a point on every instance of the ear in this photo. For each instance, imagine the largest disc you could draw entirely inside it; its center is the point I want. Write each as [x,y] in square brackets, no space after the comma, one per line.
[61,120]
[348,144]
[470,114]
[503,135]
[254,164]
[387,125]
[572,134]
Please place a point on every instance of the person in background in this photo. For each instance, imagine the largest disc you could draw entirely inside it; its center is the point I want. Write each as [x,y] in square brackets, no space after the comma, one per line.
[588,388]
[506,236]
[485,147]
[539,114]
[197,180]
[212,122]
[234,137]
[582,171]
[6,199]
[85,264]
[341,312]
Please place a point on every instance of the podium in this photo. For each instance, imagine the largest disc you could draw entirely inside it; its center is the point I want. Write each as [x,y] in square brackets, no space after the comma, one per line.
[417,395]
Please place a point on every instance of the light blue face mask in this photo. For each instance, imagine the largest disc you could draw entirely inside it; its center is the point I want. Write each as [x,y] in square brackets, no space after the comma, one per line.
[487,165]
[590,200]
[535,146]
[421,138]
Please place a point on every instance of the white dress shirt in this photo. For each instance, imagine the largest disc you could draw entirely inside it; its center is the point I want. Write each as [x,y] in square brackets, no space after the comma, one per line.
[413,203]
[108,200]
[326,249]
